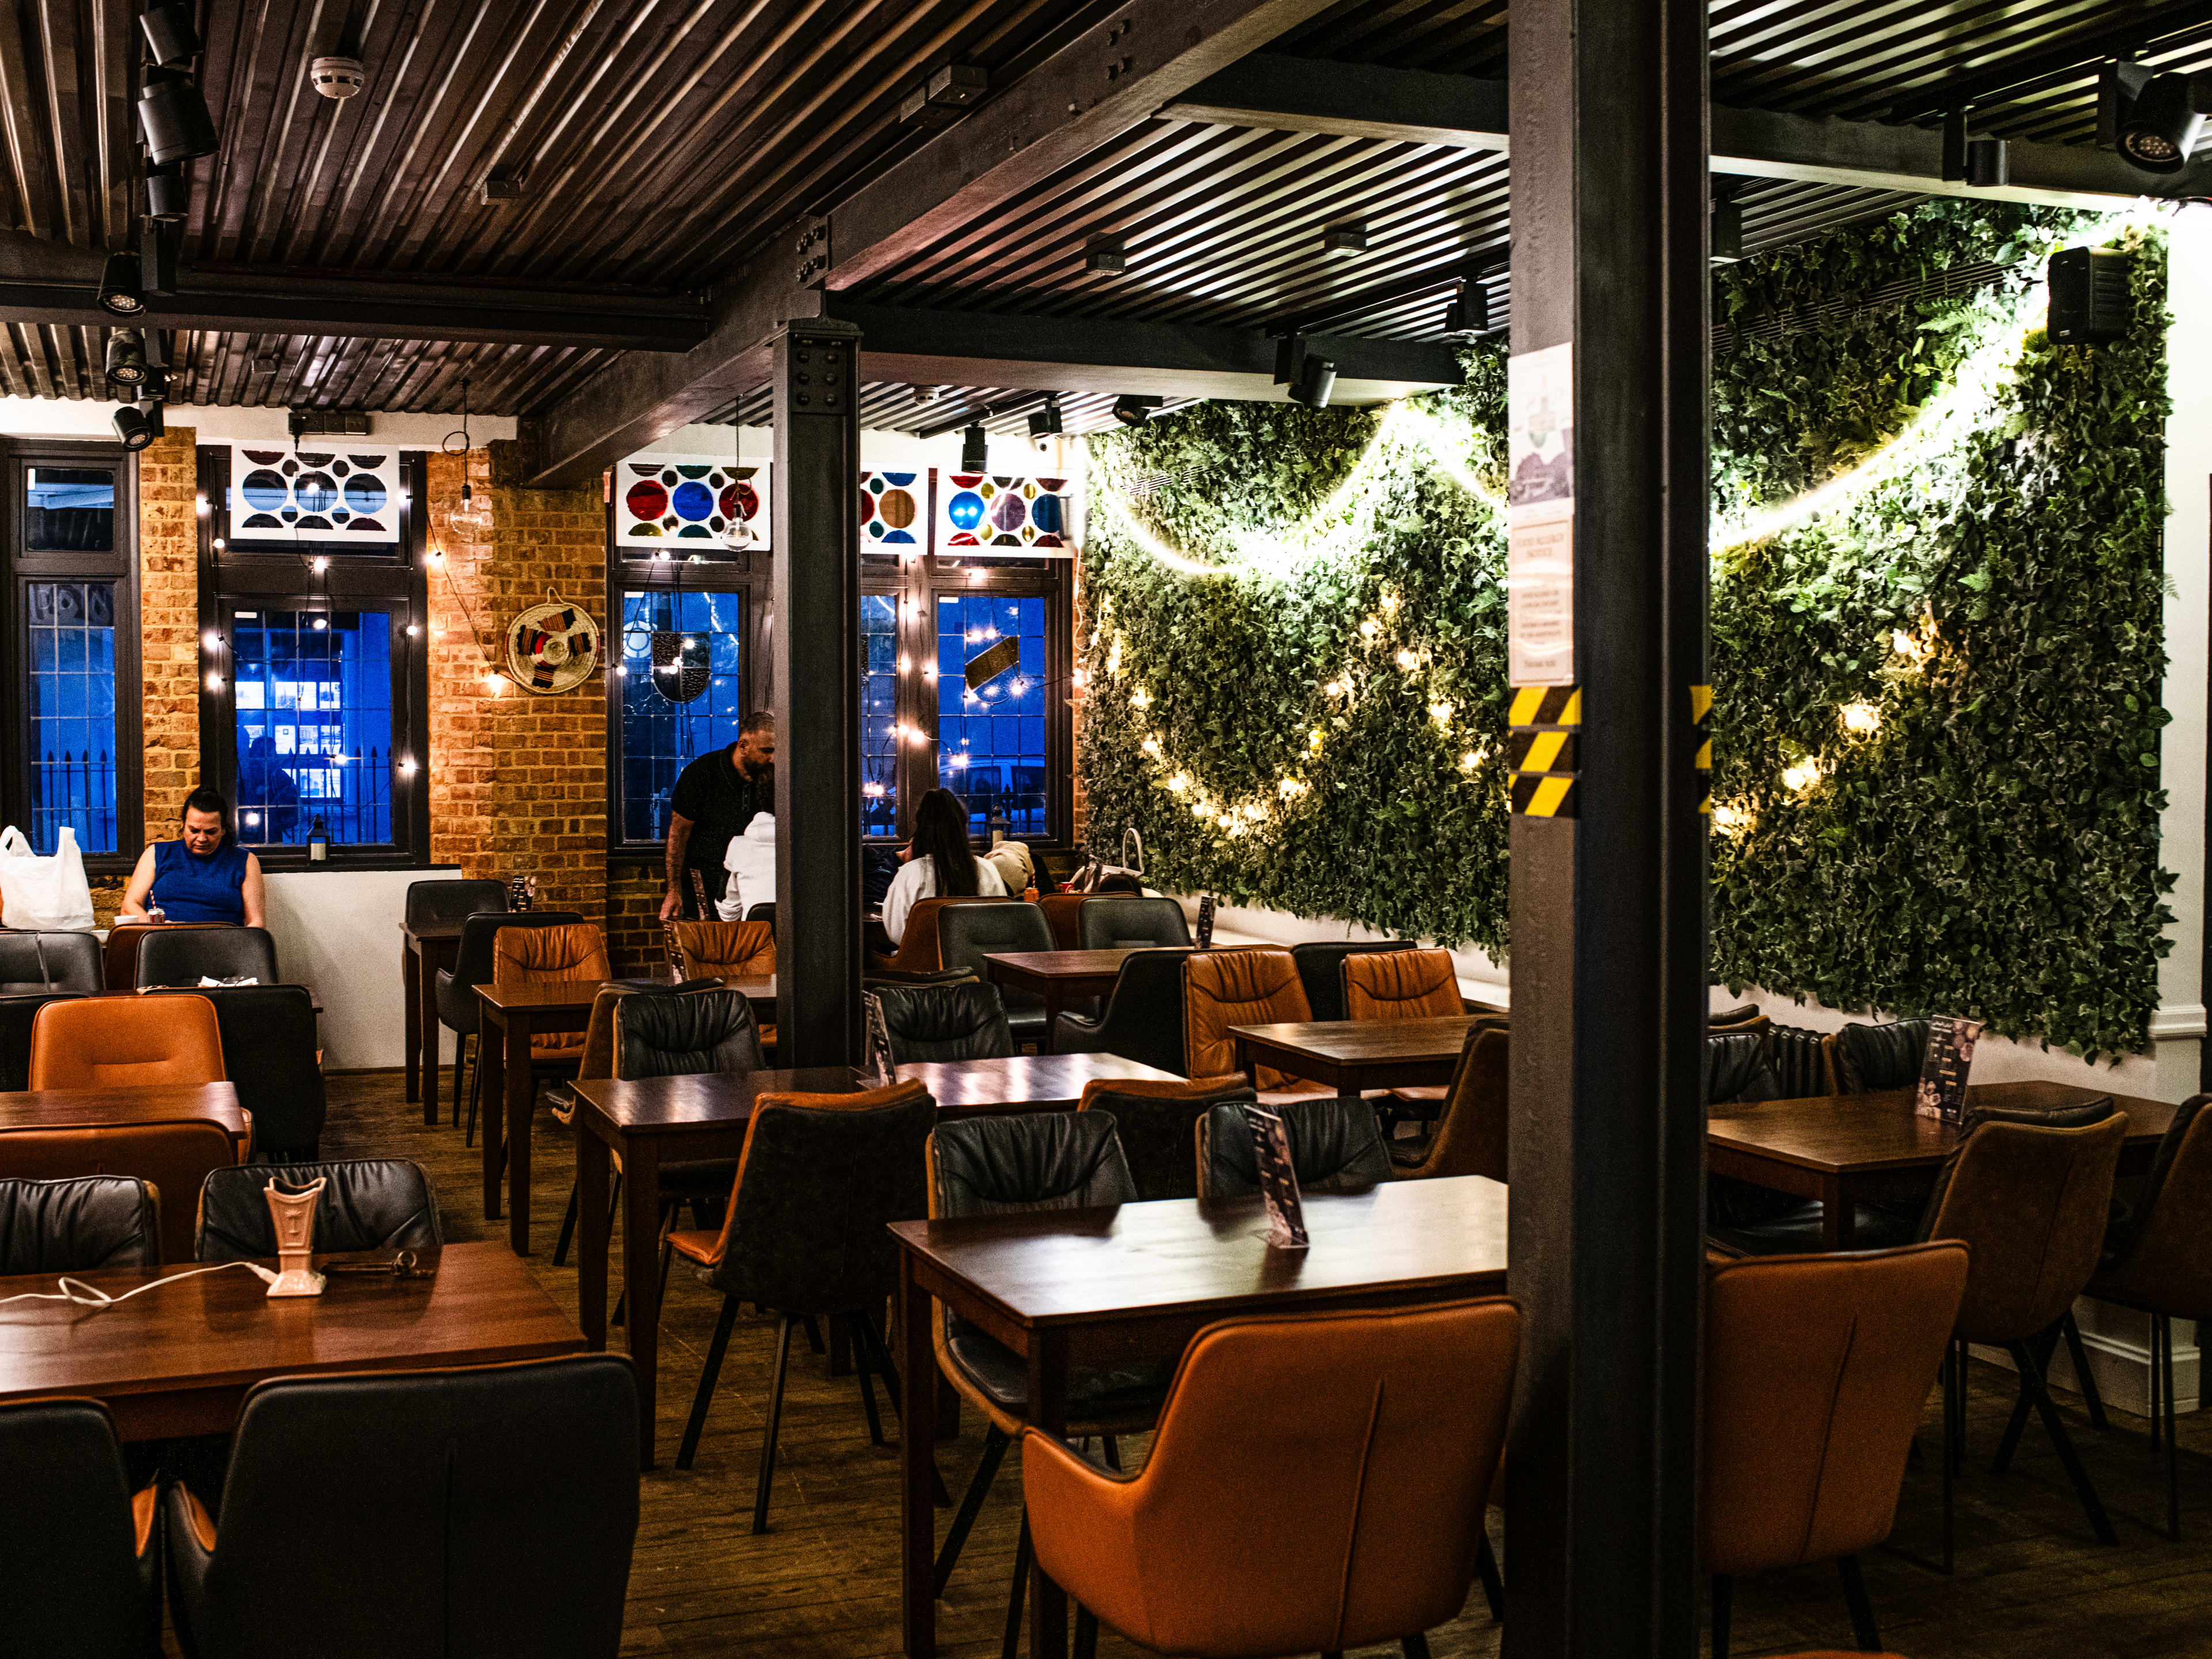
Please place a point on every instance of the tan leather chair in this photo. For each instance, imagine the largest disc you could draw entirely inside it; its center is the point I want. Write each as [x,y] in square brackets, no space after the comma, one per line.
[1065,912]
[919,951]
[1470,1133]
[1222,989]
[534,955]
[727,950]
[1317,1484]
[173,1159]
[127,1042]
[1817,1368]
[1403,985]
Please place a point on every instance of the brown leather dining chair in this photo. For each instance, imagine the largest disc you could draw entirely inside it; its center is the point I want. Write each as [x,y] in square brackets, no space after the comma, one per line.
[1470,1134]
[1222,989]
[1817,1368]
[920,950]
[572,952]
[729,949]
[1317,1483]
[173,1158]
[127,1042]
[1403,985]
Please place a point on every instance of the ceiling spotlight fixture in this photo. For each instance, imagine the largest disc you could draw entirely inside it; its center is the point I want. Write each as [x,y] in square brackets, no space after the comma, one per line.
[1980,162]
[1350,234]
[171,40]
[1133,410]
[168,192]
[118,285]
[126,358]
[337,77]
[975,449]
[1315,383]
[174,117]
[1109,254]
[1045,422]
[1469,313]
[2153,120]
[1725,243]
[134,427]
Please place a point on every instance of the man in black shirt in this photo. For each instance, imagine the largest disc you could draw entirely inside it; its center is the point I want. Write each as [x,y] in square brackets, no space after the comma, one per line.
[715,798]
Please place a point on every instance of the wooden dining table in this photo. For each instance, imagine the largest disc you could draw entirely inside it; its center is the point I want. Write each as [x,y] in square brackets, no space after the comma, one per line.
[648,1123]
[1062,1288]
[1352,1054]
[178,1360]
[517,1013]
[92,1109]
[1849,1149]
[1058,976]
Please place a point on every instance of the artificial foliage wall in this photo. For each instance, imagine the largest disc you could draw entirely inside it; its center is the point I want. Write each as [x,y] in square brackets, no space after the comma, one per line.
[1936,621]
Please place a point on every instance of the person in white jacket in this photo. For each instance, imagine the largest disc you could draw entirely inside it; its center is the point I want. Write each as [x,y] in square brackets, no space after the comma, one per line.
[751,864]
[939,862]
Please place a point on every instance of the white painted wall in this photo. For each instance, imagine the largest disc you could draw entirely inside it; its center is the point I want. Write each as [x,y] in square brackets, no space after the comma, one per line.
[338,931]
[65,417]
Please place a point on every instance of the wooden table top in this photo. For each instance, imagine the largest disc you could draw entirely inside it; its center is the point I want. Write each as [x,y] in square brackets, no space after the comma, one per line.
[80,1108]
[1858,1133]
[582,993]
[222,1330]
[437,929]
[1356,1042]
[715,1100]
[1139,1260]
[1064,964]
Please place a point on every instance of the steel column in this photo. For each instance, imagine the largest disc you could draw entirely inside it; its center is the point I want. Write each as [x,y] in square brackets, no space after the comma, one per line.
[816,692]
[1608,119]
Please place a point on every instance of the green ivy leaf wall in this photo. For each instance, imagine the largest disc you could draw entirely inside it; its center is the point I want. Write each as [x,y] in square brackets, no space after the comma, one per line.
[1302,614]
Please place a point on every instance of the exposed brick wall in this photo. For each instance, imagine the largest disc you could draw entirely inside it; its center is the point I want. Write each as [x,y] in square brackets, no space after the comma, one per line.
[634,936]
[518,782]
[168,626]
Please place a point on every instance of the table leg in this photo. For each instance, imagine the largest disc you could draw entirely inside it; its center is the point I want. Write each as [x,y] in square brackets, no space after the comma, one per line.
[917,1435]
[491,1089]
[1054,998]
[521,1097]
[1047,1412]
[426,973]
[641,1280]
[411,992]
[1243,1063]
[1838,1225]
[591,1159]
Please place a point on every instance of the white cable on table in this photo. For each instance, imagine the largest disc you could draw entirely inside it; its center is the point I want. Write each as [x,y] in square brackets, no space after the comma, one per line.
[92,1296]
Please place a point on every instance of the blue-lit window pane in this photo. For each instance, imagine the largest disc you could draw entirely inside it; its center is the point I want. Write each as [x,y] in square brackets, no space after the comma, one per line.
[312,696]
[879,721]
[660,737]
[72,712]
[991,746]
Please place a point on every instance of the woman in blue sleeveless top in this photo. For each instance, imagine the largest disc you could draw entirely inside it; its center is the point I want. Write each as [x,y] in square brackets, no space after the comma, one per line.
[203,877]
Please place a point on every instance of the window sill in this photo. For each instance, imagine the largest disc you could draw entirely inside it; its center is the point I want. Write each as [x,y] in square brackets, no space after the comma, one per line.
[274,865]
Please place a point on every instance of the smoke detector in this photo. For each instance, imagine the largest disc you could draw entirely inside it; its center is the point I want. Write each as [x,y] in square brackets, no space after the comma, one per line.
[337,77]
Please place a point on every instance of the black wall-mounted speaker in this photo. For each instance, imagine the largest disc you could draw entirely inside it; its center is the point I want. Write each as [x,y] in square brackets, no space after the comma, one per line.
[2089,299]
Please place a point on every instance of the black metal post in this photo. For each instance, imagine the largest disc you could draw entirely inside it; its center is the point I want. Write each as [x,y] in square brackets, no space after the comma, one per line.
[1608,111]
[816,693]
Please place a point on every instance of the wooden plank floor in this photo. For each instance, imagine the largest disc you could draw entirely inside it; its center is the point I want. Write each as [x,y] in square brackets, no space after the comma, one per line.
[823,1581]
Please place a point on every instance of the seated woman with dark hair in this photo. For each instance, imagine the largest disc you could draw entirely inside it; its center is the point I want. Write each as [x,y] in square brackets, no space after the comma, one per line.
[203,876]
[939,862]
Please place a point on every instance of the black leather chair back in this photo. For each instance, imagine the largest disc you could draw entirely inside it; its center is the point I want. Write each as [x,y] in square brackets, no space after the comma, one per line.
[472,964]
[269,1053]
[1801,1061]
[1886,1056]
[1114,924]
[1321,970]
[487,1512]
[1022,1161]
[1143,1019]
[670,1034]
[451,901]
[17,1014]
[183,955]
[33,962]
[1738,1068]
[967,934]
[1157,1132]
[1336,1147]
[370,1204]
[762,913]
[964,1020]
[76,1225]
[812,1209]
[71,1578]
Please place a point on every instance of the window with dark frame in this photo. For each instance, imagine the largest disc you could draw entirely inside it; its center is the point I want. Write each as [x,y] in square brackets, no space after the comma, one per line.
[72,545]
[314,690]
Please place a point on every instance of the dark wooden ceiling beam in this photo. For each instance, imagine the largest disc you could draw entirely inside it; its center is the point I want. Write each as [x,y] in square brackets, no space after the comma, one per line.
[1108,79]
[1303,94]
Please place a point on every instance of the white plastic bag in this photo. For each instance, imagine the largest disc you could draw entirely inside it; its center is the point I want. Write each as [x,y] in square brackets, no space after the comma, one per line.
[751,864]
[44,893]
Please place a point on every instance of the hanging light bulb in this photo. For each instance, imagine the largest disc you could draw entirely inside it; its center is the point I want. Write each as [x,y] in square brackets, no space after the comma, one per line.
[472,515]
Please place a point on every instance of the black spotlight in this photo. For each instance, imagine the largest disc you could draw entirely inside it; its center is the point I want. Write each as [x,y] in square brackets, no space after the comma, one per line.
[118,285]
[126,359]
[133,428]
[975,449]
[174,117]
[1468,314]
[1317,381]
[2160,124]
[1045,422]
[168,192]
[1135,411]
[170,37]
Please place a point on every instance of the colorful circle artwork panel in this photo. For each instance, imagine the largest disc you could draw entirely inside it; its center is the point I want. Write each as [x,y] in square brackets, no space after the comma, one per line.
[891,503]
[979,510]
[673,505]
[313,494]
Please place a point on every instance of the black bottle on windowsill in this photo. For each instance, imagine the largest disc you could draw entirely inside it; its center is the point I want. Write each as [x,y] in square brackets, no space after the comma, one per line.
[319,843]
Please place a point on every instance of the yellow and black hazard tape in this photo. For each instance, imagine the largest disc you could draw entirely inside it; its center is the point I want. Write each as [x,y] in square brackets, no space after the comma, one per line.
[1701,716]
[1542,750]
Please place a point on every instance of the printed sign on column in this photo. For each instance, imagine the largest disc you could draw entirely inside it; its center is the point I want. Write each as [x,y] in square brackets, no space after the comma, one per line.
[1539,516]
